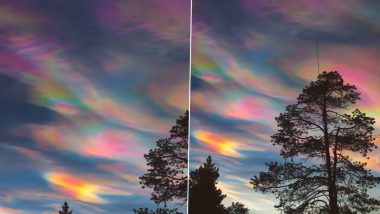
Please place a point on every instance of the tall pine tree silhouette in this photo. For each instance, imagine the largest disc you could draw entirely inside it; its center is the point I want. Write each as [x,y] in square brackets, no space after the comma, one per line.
[167,169]
[168,165]
[65,209]
[318,137]
[204,196]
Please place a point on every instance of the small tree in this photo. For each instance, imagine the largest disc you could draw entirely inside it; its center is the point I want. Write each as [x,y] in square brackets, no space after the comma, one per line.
[204,196]
[237,208]
[167,168]
[157,211]
[317,136]
[65,209]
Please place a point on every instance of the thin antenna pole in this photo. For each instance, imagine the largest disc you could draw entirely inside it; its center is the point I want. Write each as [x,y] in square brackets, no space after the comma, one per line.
[317,47]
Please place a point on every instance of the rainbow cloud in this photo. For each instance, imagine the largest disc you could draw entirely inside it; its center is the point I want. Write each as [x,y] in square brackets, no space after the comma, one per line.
[85,66]
[94,140]
[213,63]
[80,188]
[218,143]
[75,187]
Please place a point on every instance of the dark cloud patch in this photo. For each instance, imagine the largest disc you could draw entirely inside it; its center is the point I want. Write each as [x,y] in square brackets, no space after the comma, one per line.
[231,24]
[15,108]
[74,25]
[348,31]
[197,84]
[227,17]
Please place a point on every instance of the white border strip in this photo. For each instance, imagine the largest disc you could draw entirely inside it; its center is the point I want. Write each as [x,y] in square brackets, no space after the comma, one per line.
[189,127]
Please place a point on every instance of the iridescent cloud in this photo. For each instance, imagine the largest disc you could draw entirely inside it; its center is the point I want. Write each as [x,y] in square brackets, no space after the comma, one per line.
[82,99]
[218,143]
[75,187]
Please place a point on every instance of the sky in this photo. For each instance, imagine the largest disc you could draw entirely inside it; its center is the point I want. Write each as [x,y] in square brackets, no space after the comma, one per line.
[252,58]
[86,88]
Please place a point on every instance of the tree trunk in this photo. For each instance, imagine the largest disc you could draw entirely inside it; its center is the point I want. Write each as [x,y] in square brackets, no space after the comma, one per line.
[333,201]
[334,205]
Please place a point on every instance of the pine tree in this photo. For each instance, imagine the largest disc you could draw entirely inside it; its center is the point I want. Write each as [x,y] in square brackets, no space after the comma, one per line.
[164,210]
[204,196]
[167,169]
[237,208]
[317,136]
[65,209]
[168,165]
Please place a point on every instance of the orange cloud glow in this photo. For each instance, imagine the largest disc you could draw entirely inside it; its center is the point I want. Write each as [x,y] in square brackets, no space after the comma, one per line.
[76,187]
[218,143]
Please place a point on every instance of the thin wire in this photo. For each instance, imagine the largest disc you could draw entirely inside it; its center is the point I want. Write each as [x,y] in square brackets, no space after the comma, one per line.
[317,47]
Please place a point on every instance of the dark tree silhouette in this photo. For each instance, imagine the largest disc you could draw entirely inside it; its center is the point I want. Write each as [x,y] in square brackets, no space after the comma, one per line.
[157,211]
[167,172]
[65,209]
[237,208]
[317,136]
[204,196]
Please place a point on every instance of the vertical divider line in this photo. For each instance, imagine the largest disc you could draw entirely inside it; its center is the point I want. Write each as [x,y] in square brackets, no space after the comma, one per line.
[189,122]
